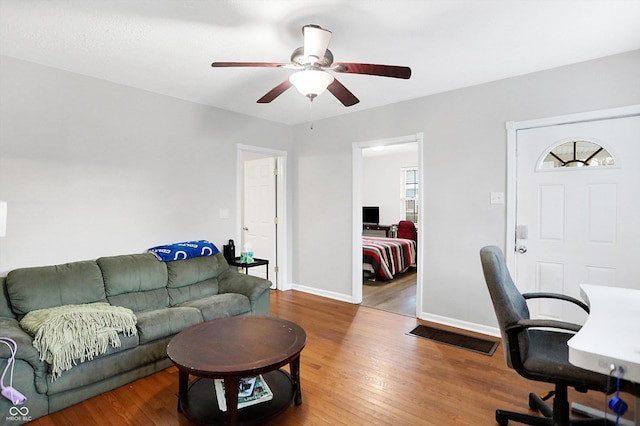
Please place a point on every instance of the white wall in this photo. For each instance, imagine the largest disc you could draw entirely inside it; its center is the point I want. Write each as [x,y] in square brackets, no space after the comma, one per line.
[381,183]
[90,168]
[464,160]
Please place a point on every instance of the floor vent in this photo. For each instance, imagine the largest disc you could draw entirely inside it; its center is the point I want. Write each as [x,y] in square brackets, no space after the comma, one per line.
[451,338]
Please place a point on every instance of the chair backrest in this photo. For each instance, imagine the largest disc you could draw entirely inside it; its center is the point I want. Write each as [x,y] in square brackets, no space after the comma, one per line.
[508,303]
[406,229]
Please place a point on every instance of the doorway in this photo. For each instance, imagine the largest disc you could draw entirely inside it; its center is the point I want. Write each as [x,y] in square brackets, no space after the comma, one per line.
[574,214]
[394,178]
[259,213]
[262,211]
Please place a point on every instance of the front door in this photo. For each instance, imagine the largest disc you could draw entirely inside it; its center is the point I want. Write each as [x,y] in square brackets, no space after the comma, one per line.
[259,218]
[577,210]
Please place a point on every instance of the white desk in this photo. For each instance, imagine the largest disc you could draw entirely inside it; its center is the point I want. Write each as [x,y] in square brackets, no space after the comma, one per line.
[611,334]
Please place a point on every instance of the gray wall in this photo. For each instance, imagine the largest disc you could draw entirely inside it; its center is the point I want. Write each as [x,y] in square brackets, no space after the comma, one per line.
[90,168]
[464,160]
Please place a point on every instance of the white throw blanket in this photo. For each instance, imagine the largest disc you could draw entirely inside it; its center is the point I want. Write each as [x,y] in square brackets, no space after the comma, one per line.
[67,334]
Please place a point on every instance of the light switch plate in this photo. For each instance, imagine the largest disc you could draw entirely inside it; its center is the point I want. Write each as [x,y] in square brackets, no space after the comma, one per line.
[497,198]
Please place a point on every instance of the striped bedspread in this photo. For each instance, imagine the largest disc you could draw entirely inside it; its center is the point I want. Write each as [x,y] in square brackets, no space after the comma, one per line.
[388,256]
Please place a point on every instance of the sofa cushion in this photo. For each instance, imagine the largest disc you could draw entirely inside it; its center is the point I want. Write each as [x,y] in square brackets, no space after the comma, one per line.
[159,323]
[196,269]
[85,372]
[205,288]
[116,361]
[221,305]
[142,301]
[48,286]
[135,281]
[194,278]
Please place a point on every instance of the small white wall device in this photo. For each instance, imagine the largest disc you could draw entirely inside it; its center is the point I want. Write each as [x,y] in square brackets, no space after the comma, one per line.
[3,218]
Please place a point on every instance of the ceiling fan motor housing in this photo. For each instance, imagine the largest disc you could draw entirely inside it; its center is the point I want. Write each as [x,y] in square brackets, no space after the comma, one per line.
[298,57]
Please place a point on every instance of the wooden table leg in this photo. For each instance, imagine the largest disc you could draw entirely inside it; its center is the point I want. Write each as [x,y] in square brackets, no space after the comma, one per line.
[183,387]
[294,366]
[231,387]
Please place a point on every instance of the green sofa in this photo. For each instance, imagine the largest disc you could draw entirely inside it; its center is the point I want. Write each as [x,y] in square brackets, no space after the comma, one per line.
[166,297]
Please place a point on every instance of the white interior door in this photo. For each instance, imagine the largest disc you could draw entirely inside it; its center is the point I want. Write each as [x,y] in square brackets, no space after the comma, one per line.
[259,213]
[577,225]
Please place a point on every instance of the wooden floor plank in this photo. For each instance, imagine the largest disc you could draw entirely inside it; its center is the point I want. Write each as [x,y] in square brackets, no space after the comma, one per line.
[397,295]
[359,368]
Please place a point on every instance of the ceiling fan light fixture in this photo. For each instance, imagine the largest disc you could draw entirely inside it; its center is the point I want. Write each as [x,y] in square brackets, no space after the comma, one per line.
[311,83]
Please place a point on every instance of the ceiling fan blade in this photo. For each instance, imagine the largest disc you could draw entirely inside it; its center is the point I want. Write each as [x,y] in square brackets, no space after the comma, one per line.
[372,69]
[275,92]
[246,64]
[316,41]
[342,93]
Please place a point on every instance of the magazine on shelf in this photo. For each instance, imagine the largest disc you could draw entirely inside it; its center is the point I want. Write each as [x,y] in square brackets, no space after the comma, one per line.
[252,390]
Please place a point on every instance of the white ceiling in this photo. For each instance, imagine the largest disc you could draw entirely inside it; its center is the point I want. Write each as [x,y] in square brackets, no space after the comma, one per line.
[167,46]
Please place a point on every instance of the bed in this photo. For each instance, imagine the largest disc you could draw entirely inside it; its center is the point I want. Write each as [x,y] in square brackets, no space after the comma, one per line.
[385,257]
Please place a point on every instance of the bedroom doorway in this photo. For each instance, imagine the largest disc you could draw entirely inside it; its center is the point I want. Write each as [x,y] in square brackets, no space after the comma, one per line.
[379,174]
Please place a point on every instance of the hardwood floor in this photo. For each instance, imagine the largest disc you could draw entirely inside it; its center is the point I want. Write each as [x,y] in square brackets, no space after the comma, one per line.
[359,368]
[397,295]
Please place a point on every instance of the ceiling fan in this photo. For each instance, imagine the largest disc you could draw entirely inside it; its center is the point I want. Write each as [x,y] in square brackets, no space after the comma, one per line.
[313,61]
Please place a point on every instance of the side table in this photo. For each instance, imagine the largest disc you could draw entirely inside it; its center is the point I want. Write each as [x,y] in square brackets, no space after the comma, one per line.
[256,262]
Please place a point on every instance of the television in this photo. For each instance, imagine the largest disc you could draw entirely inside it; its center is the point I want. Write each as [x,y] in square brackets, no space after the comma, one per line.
[371,215]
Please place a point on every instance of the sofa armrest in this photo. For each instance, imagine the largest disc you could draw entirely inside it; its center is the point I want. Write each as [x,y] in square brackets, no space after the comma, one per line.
[11,328]
[231,281]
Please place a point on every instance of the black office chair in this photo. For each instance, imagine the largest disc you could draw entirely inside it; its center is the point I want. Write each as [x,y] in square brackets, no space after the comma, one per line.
[537,354]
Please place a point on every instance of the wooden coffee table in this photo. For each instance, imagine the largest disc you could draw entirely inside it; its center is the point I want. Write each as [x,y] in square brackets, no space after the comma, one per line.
[230,349]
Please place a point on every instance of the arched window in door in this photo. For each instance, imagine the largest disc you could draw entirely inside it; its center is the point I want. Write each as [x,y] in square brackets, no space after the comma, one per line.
[578,153]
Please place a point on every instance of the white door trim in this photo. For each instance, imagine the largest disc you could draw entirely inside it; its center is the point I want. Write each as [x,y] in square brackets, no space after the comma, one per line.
[356,208]
[512,136]
[282,234]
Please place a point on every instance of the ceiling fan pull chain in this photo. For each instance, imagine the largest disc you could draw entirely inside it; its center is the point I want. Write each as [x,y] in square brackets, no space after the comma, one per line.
[311,113]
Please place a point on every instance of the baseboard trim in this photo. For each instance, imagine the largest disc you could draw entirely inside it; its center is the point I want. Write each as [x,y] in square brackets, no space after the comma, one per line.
[464,325]
[438,319]
[324,293]
[598,414]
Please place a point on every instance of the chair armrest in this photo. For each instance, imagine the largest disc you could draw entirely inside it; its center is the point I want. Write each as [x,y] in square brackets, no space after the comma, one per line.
[515,358]
[235,282]
[537,323]
[558,296]
[11,328]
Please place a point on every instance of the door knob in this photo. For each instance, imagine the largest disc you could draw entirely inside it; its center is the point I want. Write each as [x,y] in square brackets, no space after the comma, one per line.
[522,249]
[245,228]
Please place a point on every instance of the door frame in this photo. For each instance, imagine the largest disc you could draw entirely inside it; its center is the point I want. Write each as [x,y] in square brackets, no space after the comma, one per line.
[283,257]
[512,139]
[356,208]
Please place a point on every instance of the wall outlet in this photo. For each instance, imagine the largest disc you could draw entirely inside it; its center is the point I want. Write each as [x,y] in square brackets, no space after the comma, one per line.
[497,198]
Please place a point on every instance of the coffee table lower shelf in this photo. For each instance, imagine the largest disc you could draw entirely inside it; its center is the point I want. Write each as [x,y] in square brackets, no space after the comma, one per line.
[200,402]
